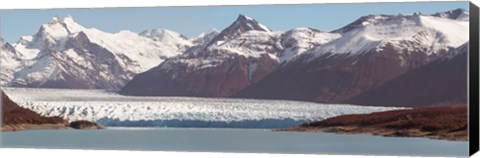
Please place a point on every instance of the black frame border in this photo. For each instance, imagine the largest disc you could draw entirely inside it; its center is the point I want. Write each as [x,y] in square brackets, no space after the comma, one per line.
[473,95]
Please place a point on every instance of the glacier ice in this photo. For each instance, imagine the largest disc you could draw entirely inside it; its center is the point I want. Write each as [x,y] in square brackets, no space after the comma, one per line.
[111,109]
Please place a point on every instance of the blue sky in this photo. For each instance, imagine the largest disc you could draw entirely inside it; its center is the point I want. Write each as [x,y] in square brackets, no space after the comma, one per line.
[191,21]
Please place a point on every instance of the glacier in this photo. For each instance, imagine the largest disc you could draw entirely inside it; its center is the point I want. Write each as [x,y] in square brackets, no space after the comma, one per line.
[111,109]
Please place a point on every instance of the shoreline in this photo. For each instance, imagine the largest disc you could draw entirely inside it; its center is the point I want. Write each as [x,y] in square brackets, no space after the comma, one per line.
[23,127]
[442,123]
[352,130]
[77,125]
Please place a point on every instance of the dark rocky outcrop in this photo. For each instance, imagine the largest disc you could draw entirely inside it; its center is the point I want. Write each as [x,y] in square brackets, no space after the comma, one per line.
[84,125]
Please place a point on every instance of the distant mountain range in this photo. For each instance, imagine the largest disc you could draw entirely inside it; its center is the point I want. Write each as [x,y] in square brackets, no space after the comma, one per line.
[64,54]
[373,57]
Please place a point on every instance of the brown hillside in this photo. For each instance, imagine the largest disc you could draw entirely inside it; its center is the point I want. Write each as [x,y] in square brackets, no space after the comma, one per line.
[446,122]
[13,116]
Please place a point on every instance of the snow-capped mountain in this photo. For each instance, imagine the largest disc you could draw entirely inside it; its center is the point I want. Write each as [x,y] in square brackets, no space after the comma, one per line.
[239,55]
[241,25]
[375,32]
[9,61]
[65,54]
[246,59]
[371,51]
[303,63]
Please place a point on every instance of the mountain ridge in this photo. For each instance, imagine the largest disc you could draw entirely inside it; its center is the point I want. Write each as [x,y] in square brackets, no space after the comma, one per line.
[332,69]
[246,59]
[124,54]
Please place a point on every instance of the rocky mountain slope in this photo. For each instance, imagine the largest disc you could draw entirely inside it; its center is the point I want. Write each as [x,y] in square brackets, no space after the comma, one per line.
[371,51]
[441,82]
[247,60]
[239,56]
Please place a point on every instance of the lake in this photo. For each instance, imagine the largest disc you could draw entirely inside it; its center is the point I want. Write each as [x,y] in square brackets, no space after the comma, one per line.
[231,140]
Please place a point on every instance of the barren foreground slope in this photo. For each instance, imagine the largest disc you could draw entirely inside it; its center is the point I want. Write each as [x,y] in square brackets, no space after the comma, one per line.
[446,122]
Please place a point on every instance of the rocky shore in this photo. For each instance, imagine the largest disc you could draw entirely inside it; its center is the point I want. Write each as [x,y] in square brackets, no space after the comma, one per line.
[15,118]
[84,125]
[446,122]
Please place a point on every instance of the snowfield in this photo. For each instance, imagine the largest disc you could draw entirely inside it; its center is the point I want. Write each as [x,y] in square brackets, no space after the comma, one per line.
[111,109]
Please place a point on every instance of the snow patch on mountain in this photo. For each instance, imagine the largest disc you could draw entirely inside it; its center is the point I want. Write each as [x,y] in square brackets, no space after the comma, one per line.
[40,72]
[453,33]
[299,40]
[167,37]
[252,43]
[23,48]
[434,33]
[192,64]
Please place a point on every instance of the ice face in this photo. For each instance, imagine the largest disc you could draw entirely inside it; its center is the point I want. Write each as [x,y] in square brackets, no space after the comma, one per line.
[112,109]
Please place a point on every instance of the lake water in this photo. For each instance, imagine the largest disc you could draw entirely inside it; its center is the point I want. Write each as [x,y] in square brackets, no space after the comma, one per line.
[231,140]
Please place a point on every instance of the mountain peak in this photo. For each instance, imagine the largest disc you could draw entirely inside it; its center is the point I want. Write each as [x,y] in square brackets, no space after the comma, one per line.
[68,19]
[242,24]
[242,17]
[54,33]
[54,20]
[59,20]
[249,23]
[456,14]
[66,22]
